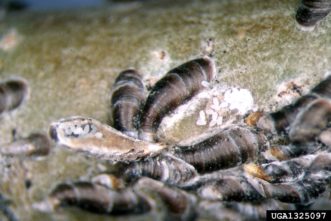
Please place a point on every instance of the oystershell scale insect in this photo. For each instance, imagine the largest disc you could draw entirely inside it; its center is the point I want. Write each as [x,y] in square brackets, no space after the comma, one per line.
[312,11]
[177,86]
[89,135]
[127,98]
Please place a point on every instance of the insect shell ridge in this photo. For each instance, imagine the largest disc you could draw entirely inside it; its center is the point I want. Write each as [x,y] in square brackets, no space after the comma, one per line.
[311,121]
[94,138]
[176,87]
[94,198]
[178,202]
[293,169]
[279,121]
[127,98]
[228,148]
[130,76]
[310,12]
[164,167]
[304,192]
[233,188]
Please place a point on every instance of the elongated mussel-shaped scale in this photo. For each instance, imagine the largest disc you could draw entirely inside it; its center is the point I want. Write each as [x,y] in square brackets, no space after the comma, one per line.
[311,121]
[127,99]
[177,86]
[304,191]
[136,199]
[180,205]
[286,152]
[312,11]
[235,188]
[280,121]
[165,167]
[203,179]
[90,136]
[12,94]
[250,188]
[228,148]
[94,198]
[36,144]
[289,170]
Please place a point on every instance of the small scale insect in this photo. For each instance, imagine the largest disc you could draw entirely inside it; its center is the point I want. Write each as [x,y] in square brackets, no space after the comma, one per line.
[177,165]
[177,86]
[302,192]
[91,136]
[248,188]
[12,94]
[227,148]
[132,200]
[232,188]
[179,204]
[95,198]
[288,151]
[164,167]
[311,122]
[36,144]
[281,120]
[289,170]
[312,11]
[127,98]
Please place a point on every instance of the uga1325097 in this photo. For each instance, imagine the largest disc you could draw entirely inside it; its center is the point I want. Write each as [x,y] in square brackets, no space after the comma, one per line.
[298,215]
